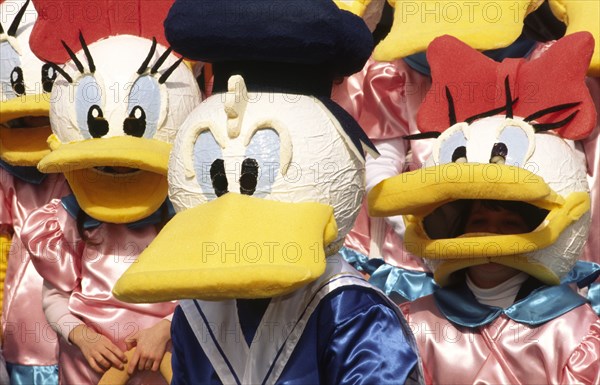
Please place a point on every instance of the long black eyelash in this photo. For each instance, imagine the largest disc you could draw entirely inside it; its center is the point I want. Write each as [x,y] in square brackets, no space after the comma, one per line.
[73,57]
[12,30]
[87,53]
[509,106]
[423,135]
[550,126]
[550,110]
[146,61]
[160,61]
[62,72]
[451,111]
[163,78]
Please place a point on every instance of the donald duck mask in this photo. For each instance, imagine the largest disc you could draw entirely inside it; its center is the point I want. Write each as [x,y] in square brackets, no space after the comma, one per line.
[267,173]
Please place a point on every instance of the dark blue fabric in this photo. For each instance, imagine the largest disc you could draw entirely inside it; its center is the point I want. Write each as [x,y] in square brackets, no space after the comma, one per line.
[546,303]
[312,32]
[353,337]
[72,207]
[250,312]
[26,174]
[522,47]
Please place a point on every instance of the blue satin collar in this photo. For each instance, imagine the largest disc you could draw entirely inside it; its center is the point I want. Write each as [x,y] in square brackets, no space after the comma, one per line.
[26,174]
[72,207]
[546,303]
[394,281]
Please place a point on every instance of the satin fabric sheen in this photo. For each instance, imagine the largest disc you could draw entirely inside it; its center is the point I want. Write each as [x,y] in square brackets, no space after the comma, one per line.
[341,344]
[384,99]
[565,350]
[28,339]
[88,271]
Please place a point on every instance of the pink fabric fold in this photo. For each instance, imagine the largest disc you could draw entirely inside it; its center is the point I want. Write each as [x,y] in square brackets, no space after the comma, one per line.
[28,338]
[87,271]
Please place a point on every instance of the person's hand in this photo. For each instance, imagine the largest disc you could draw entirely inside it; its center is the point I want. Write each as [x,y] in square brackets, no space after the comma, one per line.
[97,349]
[151,345]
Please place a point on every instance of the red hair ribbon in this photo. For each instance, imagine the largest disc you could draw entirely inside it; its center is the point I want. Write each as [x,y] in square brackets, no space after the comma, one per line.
[476,84]
[96,19]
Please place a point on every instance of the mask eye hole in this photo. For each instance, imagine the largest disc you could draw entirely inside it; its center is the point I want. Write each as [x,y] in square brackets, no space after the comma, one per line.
[460,155]
[135,123]
[499,153]
[96,123]
[218,177]
[17,82]
[48,77]
[249,177]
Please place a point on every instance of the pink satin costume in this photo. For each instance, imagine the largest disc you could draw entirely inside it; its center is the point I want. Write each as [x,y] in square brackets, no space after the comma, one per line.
[88,271]
[28,338]
[565,350]
[384,99]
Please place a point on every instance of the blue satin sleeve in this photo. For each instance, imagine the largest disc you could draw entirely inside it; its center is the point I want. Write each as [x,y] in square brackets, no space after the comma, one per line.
[368,345]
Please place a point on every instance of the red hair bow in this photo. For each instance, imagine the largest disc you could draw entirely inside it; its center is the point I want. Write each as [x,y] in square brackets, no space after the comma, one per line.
[473,84]
[96,19]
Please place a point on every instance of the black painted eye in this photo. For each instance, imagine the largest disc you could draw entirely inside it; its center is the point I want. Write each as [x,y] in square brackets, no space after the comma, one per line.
[499,153]
[249,177]
[48,77]
[218,177]
[135,124]
[97,125]
[17,82]
[460,155]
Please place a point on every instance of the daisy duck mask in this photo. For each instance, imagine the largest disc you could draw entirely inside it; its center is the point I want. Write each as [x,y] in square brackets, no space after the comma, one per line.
[117,103]
[25,83]
[504,132]
[267,173]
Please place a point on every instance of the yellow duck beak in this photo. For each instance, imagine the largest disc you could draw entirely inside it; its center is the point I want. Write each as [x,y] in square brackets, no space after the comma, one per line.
[233,247]
[581,15]
[357,7]
[24,146]
[482,24]
[419,193]
[115,197]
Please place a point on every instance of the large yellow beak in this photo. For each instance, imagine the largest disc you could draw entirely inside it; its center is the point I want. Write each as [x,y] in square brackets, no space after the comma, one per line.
[482,24]
[24,146]
[357,7]
[419,193]
[581,15]
[106,196]
[233,247]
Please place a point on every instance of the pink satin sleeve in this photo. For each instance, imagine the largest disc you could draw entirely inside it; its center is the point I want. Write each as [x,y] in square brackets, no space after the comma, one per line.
[564,350]
[584,364]
[6,185]
[51,238]
[383,98]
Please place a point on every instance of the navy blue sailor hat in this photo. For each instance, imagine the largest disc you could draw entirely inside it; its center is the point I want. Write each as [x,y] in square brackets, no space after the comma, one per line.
[294,46]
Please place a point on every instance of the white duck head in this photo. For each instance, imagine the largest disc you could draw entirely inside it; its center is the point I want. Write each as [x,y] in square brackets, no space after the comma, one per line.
[115,107]
[506,153]
[25,83]
[267,174]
